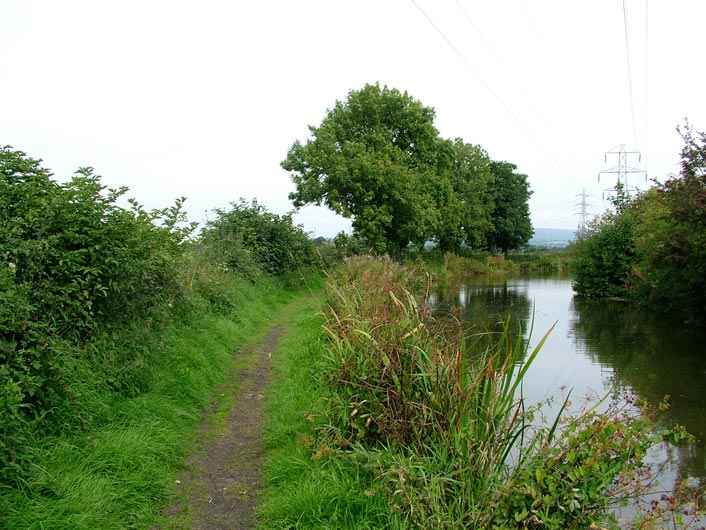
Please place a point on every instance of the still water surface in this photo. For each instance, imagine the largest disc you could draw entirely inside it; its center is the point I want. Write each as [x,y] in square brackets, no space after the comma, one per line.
[598,347]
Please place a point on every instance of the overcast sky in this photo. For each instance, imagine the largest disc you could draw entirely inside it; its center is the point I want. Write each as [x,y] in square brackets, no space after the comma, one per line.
[203,99]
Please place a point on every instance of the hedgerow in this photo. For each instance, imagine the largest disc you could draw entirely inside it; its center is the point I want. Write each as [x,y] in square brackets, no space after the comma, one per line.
[85,275]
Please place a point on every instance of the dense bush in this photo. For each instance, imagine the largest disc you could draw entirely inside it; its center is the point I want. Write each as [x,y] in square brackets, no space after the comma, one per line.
[251,241]
[73,262]
[606,255]
[671,273]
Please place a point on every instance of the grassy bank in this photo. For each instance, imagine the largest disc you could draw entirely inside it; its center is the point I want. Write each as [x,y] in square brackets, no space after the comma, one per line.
[119,470]
[390,419]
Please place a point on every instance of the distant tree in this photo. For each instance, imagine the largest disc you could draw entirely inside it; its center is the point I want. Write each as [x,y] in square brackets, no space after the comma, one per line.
[378,159]
[511,225]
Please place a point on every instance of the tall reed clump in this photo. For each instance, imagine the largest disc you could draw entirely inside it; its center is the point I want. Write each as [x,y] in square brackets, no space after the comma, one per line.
[444,430]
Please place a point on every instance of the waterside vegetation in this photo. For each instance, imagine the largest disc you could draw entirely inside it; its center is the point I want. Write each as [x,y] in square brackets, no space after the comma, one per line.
[409,425]
[652,247]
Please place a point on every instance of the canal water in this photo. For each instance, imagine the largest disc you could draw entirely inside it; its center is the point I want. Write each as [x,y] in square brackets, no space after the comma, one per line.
[598,347]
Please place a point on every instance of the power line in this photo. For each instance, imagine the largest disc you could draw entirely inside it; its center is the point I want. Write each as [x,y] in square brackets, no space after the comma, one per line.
[489,88]
[627,52]
[527,19]
[485,41]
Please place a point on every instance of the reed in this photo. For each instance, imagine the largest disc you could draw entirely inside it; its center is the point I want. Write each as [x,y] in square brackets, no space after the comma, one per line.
[441,430]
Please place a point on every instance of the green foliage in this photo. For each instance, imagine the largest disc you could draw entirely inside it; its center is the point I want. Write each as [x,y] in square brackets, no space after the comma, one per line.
[73,263]
[439,432]
[377,158]
[573,478]
[511,224]
[605,257]
[86,260]
[671,237]
[653,247]
[114,327]
[251,241]
[466,214]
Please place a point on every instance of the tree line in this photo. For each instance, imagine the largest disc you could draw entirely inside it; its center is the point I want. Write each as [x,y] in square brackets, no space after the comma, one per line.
[652,247]
[378,159]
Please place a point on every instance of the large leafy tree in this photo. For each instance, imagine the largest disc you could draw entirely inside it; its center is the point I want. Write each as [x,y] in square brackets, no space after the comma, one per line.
[511,224]
[378,159]
[473,181]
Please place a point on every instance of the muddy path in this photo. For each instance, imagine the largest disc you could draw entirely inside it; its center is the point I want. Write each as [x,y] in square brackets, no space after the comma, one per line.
[221,480]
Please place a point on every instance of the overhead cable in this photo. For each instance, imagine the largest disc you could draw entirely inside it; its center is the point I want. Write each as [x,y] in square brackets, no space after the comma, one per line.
[627,51]
[494,94]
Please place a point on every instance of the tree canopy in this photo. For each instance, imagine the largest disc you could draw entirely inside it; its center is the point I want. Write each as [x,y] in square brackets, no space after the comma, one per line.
[375,158]
[378,158]
[511,225]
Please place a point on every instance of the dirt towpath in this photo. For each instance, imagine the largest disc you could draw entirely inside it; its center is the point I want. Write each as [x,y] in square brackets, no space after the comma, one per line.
[222,479]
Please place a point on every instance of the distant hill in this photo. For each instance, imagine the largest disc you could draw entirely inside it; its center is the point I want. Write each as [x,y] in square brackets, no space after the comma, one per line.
[552,237]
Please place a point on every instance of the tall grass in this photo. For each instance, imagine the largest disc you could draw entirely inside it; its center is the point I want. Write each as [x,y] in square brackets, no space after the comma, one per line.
[410,427]
[120,471]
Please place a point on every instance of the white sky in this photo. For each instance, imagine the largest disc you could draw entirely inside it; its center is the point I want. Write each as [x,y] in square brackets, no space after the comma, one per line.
[203,99]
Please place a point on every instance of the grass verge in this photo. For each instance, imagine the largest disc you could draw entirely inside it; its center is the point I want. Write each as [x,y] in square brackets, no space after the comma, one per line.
[305,486]
[121,471]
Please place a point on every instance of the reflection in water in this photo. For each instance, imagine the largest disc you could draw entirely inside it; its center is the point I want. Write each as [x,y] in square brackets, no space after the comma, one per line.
[654,359]
[596,347]
[484,308]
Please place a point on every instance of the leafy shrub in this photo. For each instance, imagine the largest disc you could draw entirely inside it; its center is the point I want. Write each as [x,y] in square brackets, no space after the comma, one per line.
[73,264]
[605,254]
[252,241]
[671,238]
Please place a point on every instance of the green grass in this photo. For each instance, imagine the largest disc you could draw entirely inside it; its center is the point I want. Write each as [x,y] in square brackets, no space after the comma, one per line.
[121,473]
[303,489]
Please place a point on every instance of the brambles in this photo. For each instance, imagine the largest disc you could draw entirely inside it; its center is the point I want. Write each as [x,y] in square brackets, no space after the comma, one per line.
[73,262]
[251,241]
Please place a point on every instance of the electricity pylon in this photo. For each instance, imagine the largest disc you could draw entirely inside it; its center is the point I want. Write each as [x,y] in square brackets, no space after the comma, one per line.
[622,169]
[582,212]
